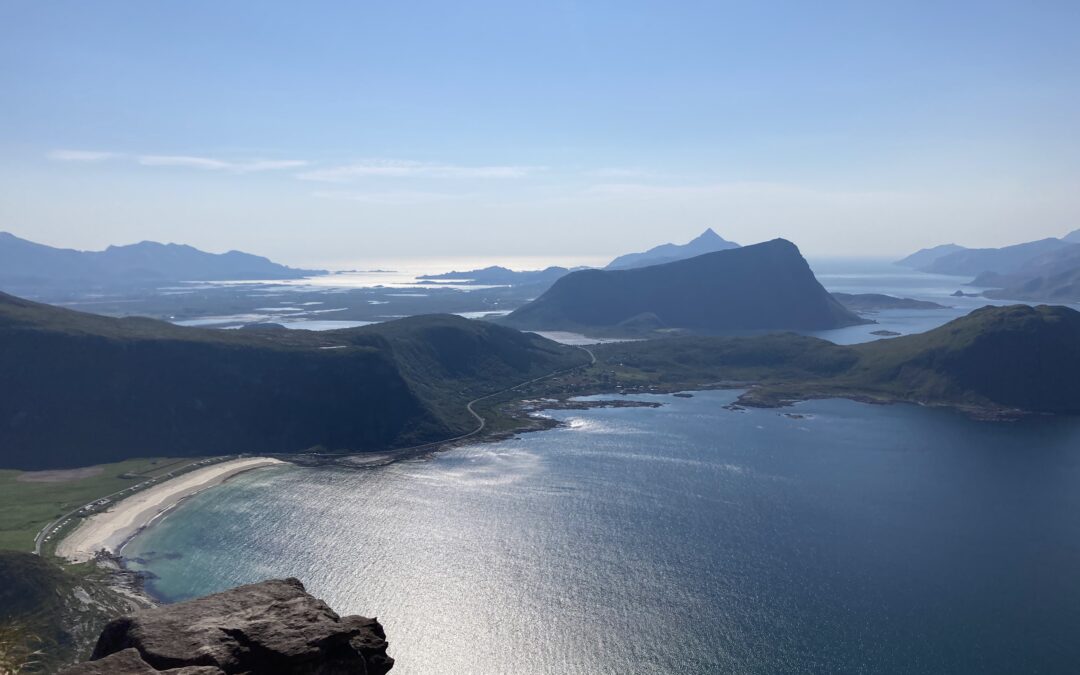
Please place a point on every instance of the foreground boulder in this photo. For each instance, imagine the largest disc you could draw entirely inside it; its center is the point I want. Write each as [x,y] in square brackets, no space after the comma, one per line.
[270,627]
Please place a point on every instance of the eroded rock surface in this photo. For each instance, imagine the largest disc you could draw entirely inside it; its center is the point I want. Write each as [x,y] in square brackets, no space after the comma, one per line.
[270,627]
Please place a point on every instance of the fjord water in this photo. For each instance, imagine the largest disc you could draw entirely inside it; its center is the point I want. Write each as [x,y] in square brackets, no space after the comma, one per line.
[682,539]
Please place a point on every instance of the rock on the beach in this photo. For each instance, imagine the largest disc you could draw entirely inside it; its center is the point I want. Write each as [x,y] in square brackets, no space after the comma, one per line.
[270,627]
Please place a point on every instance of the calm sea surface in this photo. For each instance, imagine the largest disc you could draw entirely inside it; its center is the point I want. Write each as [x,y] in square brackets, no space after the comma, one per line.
[682,539]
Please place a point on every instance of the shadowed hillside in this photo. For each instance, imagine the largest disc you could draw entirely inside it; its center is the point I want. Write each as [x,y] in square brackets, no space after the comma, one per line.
[83,389]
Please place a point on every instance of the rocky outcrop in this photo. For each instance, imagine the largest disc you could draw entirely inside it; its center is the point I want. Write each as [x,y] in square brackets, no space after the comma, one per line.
[270,627]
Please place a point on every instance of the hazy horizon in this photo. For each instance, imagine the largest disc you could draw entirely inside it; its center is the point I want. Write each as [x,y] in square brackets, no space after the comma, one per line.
[480,130]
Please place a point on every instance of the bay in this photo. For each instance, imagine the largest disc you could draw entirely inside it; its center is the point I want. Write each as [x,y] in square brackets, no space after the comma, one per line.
[688,538]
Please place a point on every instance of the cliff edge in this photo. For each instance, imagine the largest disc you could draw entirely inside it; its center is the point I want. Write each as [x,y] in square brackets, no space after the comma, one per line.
[269,627]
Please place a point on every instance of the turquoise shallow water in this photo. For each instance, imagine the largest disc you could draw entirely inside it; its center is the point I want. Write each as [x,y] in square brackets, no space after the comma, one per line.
[682,539]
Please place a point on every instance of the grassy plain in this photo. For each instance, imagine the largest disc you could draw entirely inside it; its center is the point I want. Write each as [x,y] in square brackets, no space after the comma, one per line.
[27,506]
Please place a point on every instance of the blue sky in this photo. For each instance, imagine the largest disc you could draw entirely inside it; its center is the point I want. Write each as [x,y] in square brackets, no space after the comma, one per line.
[327,132]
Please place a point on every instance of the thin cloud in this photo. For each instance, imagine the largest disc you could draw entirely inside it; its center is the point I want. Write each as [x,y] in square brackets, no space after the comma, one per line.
[409,169]
[211,164]
[82,155]
[182,161]
[395,197]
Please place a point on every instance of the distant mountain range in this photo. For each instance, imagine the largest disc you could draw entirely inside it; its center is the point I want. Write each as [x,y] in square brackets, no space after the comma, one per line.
[26,266]
[497,276]
[975,261]
[1047,269]
[81,389]
[925,257]
[764,286]
[706,242]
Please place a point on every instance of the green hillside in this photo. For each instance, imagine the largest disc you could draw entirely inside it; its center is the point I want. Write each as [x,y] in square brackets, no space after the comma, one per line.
[996,358]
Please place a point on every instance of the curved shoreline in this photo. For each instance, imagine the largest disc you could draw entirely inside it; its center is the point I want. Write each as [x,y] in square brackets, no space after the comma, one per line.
[110,530]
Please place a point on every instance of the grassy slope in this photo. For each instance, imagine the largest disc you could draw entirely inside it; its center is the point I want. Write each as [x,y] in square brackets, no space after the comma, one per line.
[26,507]
[83,389]
[704,360]
[1015,357]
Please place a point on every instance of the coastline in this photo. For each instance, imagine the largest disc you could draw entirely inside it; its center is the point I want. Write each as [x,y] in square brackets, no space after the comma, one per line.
[111,529]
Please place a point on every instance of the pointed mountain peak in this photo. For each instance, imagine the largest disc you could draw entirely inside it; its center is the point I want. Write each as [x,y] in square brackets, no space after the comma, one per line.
[709,236]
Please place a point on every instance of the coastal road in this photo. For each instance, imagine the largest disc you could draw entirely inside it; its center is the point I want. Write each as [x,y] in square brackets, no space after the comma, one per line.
[481,423]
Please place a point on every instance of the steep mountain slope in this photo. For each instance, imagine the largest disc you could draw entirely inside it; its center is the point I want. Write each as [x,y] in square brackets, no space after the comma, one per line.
[764,286]
[82,389]
[706,242]
[25,264]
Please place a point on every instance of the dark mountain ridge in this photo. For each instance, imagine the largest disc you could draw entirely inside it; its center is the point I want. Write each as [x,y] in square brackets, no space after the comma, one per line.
[83,389]
[764,286]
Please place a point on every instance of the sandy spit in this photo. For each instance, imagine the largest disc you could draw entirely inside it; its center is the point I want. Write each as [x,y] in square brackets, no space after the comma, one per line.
[110,529]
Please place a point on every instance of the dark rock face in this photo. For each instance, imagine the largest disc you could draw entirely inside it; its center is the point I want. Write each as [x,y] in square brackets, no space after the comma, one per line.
[270,627]
[766,286]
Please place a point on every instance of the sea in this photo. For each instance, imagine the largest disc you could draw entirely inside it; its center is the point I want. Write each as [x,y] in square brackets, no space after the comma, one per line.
[827,537]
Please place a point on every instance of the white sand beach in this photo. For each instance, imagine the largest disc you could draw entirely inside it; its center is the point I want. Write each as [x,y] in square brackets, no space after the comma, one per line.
[109,529]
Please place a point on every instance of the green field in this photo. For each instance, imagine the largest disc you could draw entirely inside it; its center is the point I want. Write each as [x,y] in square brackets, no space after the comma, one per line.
[26,507]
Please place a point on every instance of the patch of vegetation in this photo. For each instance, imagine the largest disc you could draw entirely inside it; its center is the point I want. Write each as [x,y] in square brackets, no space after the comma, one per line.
[26,507]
